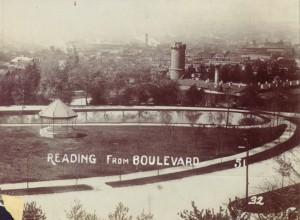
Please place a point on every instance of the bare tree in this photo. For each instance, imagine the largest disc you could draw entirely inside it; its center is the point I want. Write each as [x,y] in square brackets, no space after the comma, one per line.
[32,211]
[121,213]
[284,169]
[145,216]
[204,214]
[77,212]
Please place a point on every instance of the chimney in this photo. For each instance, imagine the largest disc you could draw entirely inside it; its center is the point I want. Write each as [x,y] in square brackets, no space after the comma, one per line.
[217,77]
[146,40]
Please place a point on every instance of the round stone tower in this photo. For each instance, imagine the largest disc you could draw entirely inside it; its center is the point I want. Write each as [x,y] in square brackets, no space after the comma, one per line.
[177,60]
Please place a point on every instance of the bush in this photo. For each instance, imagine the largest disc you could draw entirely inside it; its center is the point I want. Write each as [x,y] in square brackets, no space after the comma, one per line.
[204,214]
[31,211]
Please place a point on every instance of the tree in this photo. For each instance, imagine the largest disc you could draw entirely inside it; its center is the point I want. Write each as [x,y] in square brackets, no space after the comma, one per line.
[97,90]
[204,214]
[117,84]
[142,93]
[275,71]
[87,75]
[57,85]
[6,90]
[248,75]
[250,97]
[121,213]
[262,72]
[31,211]
[90,216]
[25,84]
[167,93]
[144,216]
[77,212]
[190,70]
[154,93]
[224,72]
[284,170]
[60,74]
[237,76]
[193,96]
[129,96]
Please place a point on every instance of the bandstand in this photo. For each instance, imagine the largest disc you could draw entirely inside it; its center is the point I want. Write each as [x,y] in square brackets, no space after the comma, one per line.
[57,120]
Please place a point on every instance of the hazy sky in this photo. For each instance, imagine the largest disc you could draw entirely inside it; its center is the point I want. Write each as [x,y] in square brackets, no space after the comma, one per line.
[57,21]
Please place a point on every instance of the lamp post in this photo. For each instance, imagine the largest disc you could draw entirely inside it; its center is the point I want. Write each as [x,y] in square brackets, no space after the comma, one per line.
[27,171]
[247,175]
[247,146]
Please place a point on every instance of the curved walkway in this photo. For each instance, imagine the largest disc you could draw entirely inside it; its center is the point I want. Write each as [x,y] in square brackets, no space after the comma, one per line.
[208,166]
[256,155]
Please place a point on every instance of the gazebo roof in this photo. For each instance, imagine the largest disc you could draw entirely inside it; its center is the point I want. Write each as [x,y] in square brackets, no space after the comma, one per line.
[57,110]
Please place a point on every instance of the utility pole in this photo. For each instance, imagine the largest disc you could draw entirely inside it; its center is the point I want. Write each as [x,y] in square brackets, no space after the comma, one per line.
[2,24]
[247,175]
[246,164]
[299,21]
[247,169]
[228,109]
[27,168]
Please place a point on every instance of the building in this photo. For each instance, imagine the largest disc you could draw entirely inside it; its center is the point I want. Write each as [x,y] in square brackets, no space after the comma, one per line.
[177,68]
[267,51]
[21,62]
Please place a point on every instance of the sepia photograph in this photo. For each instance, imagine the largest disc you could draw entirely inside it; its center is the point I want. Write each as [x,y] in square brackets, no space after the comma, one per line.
[149,110]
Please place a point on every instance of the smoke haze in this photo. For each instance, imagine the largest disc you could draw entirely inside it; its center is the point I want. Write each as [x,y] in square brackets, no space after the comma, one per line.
[57,21]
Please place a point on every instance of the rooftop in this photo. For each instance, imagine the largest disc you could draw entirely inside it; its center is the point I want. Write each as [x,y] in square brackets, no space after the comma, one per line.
[58,110]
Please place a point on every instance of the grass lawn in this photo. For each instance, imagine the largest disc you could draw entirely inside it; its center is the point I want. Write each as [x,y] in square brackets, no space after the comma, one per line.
[24,153]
